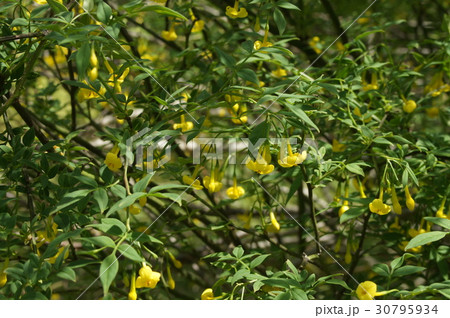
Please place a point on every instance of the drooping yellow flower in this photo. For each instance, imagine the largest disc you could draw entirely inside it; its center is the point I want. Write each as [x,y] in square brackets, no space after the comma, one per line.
[198,24]
[212,183]
[132,295]
[235,192]
[175,262]
[395,203]
[409,106]
[142,201]
[3,276]
[262,163]
[344,208]
[135,209]
[147,278]
[86,93]
[337,146]
[112,160]
[377,206]
[437,85]
[52,259]
[440,213]
[373,85]
[195,183]
[170,281]
[368,291]
[115,80]
[416,249]
[409,200]
[93,61]
[313,43]
[340,46]
[348,253]
[207,294]
[395,226]
[170,35]
[274,226]
[292,159]
[239,113]
[432,112]
[235,12]
[279,72]
[258,44]
[184,125]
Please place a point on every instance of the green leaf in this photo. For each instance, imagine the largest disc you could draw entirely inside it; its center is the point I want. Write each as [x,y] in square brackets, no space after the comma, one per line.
[238,251]
[260,131]
[108,271]
[101,196]
[425,238]
[352,213]
[302,115]
[164,11]
[225,58]
[143,183]
[104,12]
[248,75]
[166,186]
[29,136]
[129,252]
[339,282]
[125,202]
[407,270]
[70,199]
[355,168]
[445,223]
[381,269]
[110,226]
[67,273]
[258,260]
[399,260]
[280,21]
[82,59]
[56,6]
[100,241]
[287,5]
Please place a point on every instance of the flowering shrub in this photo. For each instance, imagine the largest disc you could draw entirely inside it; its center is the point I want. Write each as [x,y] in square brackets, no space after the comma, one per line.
[224,149]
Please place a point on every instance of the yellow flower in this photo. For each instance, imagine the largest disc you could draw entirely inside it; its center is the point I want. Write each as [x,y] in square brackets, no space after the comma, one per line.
[348,253]
[437,85]
[292,159]
[52,259]
[195,183]
[258,44]
[132,295]
[184,125]
[207,294]
[160,1]
[198,26]
[3,276]
[279,72]
[93,60]
[373,84]
[213,183]
[337,146]
[147,278]
[169,35]
[395,203]
[170,281]
[142,201]
[440,213]
[409,106]
[175,262]
[47,235]
[432,112]
[234,13]
[344,208]
[377,206]
[368,291]
[409,200]
[262,163]
[112,160]
[314,44]
[340,46]
[115,81]
[274,226]
[238,112]
[235,192]
[135,209]
[416,249]
[93,73]
[395,226]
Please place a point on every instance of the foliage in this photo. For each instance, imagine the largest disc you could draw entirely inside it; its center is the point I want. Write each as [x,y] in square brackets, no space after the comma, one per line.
[361,184]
